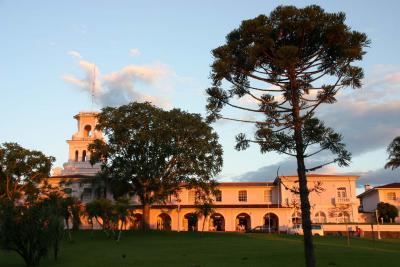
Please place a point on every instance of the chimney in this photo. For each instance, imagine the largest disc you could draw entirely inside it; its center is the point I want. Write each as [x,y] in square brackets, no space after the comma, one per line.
[367,187]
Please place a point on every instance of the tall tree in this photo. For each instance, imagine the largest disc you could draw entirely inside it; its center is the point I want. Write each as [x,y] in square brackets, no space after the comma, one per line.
[287,65]
[394,154]
[22,170]
[151,152]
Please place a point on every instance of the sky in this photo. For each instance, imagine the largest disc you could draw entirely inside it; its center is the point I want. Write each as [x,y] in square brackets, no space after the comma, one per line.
[160,51]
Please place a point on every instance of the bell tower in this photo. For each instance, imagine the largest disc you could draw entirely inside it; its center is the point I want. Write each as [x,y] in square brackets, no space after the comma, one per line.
[79,156]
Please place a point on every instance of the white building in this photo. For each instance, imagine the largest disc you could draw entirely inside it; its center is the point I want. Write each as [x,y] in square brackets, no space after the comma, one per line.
[389,193]
[239,206]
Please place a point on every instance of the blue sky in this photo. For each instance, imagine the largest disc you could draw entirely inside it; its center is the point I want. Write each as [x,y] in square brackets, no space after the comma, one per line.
[160,51]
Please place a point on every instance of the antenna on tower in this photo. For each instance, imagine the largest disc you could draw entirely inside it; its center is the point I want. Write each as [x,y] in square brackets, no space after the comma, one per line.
[93,85]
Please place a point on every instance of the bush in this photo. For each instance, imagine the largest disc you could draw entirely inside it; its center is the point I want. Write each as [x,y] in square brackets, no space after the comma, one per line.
[387,211]
[30,230]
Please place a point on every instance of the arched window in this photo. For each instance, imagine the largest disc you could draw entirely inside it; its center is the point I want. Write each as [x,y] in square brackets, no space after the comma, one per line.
[296,217]
[84,155]
[320,217]
[343,217]
[87,131]
[76,155]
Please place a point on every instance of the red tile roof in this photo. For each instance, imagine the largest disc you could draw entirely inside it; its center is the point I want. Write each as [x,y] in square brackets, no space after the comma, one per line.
[392,185]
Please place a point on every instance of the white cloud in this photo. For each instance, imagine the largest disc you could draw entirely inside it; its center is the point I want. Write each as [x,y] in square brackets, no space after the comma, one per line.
[74,54]
[121,86]
[134,52]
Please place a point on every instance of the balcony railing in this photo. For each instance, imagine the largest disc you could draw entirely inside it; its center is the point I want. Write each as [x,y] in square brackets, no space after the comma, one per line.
[342,200]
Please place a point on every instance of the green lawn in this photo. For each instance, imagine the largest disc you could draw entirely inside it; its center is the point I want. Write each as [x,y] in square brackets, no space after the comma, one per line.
[213,249]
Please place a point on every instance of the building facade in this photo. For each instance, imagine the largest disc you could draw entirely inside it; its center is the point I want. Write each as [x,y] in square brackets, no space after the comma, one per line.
[389,193]
[239,206]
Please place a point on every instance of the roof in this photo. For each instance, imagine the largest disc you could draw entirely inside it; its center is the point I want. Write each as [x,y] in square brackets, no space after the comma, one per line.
[321,175]
[71,176]
[386,186]
[246,183]
[392,185]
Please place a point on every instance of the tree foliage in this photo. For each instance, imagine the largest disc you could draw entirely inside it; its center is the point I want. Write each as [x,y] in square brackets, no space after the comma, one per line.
[287,65]
[394,154]
[22,170]
[387,211]
[151,152]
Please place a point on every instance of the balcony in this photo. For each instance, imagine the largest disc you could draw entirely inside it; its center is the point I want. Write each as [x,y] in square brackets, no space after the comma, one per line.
[342,200]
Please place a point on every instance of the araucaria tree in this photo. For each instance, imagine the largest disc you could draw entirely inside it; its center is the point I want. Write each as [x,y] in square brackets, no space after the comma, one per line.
[287,65]
[394,154]
[151,152]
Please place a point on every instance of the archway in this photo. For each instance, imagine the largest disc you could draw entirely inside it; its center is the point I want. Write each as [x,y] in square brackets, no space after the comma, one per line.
[271,221]
[243,222]
[190,222]
[137,221]
[87,131]
[164,222]
[217,222]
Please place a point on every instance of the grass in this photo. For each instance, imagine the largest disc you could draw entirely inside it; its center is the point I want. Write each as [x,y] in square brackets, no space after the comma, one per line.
[212,249]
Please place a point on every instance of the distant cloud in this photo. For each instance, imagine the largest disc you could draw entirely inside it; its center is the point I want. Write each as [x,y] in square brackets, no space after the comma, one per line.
[288,166]
[379,177]
[134,52]
[119,87]
[368,118]
[75,54]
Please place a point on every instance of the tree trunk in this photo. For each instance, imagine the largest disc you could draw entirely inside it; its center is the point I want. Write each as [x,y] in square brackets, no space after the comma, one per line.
[301,172]
[305,212]
[204,223]
[146,217]
[68,230]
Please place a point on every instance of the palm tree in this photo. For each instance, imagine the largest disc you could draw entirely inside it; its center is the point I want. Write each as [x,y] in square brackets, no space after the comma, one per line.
[394,154]
[91,212]
[121,209]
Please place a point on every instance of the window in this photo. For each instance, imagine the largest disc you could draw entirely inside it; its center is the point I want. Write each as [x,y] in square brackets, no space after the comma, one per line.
[192,196]
[218,196]
[68,191]
[243,196]
[343,217]
[84,155]
[341,192]
[76,155]
[295,201]
[391,196]
[267,196]
[87,194]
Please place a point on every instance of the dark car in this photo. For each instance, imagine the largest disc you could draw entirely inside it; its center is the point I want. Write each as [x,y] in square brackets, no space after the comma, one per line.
[261,229]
